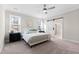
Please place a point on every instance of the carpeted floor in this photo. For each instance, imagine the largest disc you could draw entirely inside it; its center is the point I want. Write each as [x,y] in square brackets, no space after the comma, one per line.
[49,47]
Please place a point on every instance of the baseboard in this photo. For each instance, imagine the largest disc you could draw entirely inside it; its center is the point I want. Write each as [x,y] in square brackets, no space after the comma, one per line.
[2,47]
[76,41]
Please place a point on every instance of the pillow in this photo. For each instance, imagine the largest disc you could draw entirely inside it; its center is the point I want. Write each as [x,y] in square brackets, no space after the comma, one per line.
[32,30]
[28,31]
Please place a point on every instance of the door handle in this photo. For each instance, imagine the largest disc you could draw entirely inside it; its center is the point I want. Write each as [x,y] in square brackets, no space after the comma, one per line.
[53,28]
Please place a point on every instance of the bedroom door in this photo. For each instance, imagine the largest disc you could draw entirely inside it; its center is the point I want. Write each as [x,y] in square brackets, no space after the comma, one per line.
[58,28]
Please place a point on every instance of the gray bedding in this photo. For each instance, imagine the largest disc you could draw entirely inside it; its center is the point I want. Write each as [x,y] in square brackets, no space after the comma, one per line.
[35,38]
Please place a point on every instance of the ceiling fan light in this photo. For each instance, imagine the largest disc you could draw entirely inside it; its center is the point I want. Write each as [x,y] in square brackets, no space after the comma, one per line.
[44,10]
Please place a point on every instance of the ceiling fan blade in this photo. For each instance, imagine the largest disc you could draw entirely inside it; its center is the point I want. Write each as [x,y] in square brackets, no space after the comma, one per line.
[51,8]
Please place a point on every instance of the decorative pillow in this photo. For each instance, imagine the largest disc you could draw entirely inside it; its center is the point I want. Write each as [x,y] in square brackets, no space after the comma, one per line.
[32,30]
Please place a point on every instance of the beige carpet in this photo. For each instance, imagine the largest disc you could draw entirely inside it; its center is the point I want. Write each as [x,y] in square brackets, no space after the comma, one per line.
[49,47]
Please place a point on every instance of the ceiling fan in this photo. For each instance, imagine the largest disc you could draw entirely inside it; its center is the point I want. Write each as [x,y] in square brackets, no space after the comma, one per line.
[45,8]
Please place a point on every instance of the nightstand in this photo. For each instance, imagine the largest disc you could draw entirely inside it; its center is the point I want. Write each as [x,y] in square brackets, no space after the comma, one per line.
[14,37]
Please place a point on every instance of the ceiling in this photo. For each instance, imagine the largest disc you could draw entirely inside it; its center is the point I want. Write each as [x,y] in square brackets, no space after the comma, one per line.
[36,10]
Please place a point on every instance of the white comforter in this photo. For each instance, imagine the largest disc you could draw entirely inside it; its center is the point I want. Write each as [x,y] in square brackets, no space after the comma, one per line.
[35,38]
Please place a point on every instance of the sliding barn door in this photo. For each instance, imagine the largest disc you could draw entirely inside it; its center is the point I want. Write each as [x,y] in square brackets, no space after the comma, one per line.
[58,28]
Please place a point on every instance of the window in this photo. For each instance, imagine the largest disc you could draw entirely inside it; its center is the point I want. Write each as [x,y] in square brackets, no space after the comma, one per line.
[15,23]
[43,25]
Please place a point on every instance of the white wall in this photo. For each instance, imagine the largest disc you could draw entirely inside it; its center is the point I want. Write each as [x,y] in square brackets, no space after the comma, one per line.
[71,25]
[25,20]
[2,28]
[70,30]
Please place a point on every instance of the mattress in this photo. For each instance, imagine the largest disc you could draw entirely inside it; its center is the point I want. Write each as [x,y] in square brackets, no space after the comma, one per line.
[35,38]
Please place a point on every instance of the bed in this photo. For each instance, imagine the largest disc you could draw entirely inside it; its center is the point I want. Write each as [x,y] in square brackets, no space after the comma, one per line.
[35,38]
